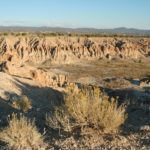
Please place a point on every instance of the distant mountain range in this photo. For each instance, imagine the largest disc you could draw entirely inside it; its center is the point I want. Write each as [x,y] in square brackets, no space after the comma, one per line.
[122,30]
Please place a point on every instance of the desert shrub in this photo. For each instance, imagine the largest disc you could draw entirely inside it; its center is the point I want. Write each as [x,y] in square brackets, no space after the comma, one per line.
[24,34]
[5,34]
[24,103]
[89,107]
[59,120]
[22,134]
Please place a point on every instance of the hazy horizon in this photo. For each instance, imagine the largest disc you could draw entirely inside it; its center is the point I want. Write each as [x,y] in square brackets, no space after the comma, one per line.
[108,14]
[30,26]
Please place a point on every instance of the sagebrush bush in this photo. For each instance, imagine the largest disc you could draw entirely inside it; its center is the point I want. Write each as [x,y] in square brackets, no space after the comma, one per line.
[24,103]
[89,107]
[22,134]
[59,120]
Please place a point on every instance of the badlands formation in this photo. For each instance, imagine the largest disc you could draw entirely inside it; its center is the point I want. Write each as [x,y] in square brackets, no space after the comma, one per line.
[29,56]
[41,68]
[65,50]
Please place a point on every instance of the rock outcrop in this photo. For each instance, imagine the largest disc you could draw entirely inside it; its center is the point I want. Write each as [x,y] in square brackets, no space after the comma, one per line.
[49,78]
[43,77]
[18,53]
[69,50]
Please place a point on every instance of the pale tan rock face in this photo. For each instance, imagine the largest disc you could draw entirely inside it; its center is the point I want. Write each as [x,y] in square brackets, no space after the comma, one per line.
[48,78]
[69,50]
[43,77]
[16,53]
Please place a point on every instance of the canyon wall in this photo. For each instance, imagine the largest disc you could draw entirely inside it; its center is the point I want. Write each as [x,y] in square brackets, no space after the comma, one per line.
[71,49]
[17,54]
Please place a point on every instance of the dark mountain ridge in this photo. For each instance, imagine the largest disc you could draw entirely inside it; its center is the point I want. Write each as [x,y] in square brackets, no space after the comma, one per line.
[121,30]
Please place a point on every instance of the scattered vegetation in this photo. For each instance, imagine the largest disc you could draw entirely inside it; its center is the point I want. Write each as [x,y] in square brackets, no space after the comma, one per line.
[73,34]
[22,134]
[116,83]
[88,107]
[24,103]
[5,34]
[101,69]
[60,120]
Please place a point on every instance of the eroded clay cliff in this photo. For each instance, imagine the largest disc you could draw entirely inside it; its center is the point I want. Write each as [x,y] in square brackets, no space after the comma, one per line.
[69,50]
[16,53]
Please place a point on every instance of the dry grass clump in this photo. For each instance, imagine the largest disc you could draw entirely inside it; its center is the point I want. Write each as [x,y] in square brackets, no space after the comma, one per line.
[117,83]
[22,134]
[60,120]
[89,107]
[24,103]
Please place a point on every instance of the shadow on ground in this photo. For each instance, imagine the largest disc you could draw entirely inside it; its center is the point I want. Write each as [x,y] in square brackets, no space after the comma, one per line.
[43,100]
[138,107]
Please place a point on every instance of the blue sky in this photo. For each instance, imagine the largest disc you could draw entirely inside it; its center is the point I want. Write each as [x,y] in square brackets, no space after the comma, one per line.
[76,13]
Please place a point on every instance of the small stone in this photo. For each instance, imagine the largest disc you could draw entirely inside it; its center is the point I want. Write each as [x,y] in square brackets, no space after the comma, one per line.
[145,128]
